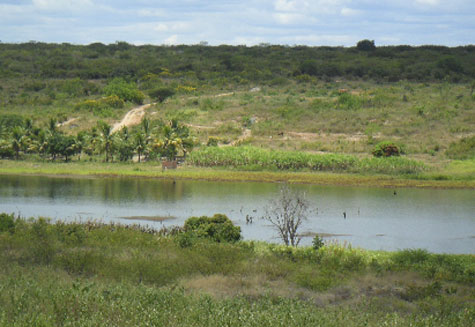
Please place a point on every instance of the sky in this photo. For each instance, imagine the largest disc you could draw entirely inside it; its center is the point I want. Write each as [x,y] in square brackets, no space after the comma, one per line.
[239,22]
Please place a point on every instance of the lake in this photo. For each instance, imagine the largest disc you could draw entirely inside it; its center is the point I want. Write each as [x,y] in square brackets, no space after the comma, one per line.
[441,221]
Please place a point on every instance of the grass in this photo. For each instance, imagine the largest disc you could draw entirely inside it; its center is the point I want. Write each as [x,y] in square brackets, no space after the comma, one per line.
[96,274]
[309,117]
[152,170]
[251,158]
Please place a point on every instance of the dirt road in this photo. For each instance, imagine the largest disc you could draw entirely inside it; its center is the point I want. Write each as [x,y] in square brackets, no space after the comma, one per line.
[132,118]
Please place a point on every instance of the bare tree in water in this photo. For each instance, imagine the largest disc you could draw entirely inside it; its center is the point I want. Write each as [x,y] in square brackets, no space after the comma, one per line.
[286,213]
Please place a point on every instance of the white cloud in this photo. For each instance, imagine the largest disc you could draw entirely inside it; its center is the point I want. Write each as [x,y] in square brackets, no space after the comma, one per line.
[428,2]
[345,11]
[311,22]
[62,4]
[161,27]
[172,40]
[151,12]
[287,5]
[289,18]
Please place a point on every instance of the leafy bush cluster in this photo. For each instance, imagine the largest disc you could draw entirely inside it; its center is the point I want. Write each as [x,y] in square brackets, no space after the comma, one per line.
[387,149]
[112,101]
[218,228]
[124,90]
[161,94]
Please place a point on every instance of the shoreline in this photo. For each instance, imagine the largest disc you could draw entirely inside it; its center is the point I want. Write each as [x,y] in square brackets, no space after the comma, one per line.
[147,170]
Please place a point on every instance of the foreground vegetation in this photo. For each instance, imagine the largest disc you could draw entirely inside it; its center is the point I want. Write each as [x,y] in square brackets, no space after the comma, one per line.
[94,274]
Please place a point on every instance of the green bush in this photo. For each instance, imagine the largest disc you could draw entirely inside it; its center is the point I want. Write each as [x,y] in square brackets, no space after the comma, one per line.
[387,149]
[317,242]
[7,223]
[218,228]
[348,101]
[125,91]
[161,94]
[212,141]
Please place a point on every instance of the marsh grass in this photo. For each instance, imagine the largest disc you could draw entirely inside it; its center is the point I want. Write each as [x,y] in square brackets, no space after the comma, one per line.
[109,274]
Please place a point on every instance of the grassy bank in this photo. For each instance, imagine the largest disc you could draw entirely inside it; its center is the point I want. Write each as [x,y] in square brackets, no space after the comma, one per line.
[94,274]
[460,176]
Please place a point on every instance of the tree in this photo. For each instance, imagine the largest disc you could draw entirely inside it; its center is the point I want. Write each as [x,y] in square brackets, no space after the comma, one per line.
[17,140]
[139,143]
[366,45]
[286,214]
[175,138]
[125,148]
[106,138]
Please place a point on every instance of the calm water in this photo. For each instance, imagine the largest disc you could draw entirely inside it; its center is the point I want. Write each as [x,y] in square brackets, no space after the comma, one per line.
[437,220]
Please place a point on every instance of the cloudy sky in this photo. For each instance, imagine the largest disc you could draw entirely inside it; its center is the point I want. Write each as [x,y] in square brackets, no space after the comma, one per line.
[250,22]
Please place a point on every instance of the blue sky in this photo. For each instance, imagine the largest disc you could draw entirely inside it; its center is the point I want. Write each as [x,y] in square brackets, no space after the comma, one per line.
[235,22]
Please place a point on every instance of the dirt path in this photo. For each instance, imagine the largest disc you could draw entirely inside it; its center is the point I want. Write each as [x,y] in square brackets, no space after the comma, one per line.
[132,118]
[67,122]
[246,133]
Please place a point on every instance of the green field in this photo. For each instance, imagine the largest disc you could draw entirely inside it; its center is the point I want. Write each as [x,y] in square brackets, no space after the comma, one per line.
[96,275]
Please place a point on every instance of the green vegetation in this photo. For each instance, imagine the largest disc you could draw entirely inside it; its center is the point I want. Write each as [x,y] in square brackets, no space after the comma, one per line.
[26,140]
[218,228]
[463,149]
[125,91]
[295,102]
[98,274]
[251,158]
[387,149]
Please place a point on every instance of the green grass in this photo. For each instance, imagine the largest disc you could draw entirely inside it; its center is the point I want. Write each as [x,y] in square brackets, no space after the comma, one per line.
[95,274]
[251,158]
[153,170]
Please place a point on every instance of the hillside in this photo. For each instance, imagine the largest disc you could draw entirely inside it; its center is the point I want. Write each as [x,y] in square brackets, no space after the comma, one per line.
[311,99]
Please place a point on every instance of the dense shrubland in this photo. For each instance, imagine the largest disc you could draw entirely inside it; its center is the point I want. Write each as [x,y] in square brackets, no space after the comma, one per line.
[252,64]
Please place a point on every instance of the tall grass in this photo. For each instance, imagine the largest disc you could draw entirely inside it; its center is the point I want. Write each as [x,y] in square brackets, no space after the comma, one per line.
[248,157]
[96,274]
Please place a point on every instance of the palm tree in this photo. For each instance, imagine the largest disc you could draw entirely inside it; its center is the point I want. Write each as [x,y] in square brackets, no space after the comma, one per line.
[146,135]
[139,143]
[81,141]
[124,146]
[107,138]
[17,140]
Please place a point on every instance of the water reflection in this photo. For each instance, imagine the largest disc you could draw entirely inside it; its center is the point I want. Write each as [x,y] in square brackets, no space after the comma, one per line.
[439,220]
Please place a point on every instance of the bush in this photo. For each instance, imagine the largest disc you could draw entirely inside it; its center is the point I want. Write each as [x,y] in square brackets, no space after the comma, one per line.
[125,91]
[97,106]
[387,149]
[317,242]
[161,94]
[349,102]
[212,141]
[7,223]
[218,228]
